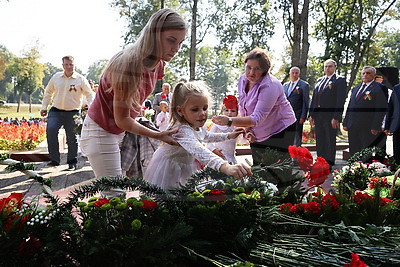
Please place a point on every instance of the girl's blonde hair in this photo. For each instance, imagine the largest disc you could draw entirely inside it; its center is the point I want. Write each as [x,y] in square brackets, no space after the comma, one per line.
[182,92]
[124,70]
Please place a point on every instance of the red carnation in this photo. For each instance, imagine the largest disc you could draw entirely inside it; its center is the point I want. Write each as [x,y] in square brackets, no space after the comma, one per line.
[294,209]
[330,201]
[360,197]
[312,206]
[355,261]
[385,201]
[149,204]
[100,202]
[163,96]
[303,157]
[286,207]
[230,102]
[217,192]
[319,172]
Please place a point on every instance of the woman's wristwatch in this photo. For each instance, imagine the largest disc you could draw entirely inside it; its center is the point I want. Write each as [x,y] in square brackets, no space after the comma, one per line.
[229,122]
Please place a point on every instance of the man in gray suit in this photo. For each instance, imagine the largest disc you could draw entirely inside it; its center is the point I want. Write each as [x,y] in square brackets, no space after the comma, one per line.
[297,91]
[165,95]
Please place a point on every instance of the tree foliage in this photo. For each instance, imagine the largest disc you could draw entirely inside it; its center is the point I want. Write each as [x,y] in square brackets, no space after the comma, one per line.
[95,70]
[29,73]
[347,28]
[243,25]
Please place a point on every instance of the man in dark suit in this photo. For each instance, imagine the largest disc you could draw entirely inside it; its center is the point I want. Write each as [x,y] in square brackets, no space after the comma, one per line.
[365,112]
[326,110]
[162,96]
[392,123]
[297,92]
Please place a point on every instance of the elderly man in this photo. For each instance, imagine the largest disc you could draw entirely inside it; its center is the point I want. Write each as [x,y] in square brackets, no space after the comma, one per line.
[326,110]
[365,112]
[297,91]
[165,95]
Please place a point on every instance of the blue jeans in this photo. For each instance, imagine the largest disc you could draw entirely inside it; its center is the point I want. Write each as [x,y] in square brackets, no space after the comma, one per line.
[55,120]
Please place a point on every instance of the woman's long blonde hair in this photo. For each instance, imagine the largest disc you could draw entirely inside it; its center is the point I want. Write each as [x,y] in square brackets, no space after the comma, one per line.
[124,70]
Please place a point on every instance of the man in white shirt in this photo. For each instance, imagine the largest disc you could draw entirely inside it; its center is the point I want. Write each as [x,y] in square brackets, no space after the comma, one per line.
[66,90]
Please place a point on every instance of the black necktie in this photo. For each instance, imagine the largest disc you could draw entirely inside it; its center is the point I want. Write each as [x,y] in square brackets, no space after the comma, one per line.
[359,93]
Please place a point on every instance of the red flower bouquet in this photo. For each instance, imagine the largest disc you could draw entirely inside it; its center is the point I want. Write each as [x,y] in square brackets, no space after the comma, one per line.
[317,172]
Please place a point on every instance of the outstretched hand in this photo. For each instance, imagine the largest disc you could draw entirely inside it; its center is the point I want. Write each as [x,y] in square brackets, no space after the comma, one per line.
[236,133]
[220,120]
[238,170]
[166,137]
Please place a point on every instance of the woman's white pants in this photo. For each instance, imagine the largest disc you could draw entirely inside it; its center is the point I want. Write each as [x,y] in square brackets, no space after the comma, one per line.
[103,152]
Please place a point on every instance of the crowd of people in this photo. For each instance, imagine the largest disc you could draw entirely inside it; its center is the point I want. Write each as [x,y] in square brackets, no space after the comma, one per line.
[16,121]
[266,113]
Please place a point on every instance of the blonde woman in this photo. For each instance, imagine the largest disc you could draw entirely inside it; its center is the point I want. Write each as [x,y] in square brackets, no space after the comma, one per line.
[126,82]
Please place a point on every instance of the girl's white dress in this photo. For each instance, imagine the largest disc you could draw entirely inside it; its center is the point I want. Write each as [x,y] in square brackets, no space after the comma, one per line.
[171,166]
[227,146]
[162,126]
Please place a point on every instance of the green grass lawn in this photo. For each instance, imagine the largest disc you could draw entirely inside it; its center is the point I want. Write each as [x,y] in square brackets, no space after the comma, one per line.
[10,111]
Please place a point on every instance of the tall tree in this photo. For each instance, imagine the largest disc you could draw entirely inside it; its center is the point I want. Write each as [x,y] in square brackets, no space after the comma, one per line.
[295,19]
[29,73]
[347,26]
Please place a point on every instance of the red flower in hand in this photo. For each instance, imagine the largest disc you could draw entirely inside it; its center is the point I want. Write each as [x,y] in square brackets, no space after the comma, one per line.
[163,96]
[319,172]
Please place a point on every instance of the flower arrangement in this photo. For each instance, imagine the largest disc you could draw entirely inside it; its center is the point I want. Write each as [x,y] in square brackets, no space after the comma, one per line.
[213,218]
[336,208]
[356,175]
[148,112]
[78,119]
[21,137]
[308,136]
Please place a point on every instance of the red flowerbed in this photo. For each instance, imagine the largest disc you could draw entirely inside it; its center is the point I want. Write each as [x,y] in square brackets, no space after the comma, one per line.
[21,137]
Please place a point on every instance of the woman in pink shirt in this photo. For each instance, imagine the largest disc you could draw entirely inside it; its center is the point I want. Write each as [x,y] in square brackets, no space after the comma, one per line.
[126,82]
[263,107]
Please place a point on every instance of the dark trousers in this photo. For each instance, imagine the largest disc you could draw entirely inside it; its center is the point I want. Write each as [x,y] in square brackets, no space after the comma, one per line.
[325,137]
[298,135]
[280,142]
[396,146]
[55,120]
[359,139]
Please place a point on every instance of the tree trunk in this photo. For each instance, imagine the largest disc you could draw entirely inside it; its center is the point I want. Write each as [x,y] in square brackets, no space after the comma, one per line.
[296,34]
[300,44]
[305,45]
[30,103]
[19,101]
[192,57]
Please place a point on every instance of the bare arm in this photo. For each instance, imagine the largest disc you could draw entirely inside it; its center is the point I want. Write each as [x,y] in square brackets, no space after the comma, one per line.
[126,122]
[236,121]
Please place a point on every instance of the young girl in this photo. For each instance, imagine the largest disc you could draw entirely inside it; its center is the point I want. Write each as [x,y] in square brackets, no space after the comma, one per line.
[162,119]
[127,80]
[226,149]
[171,165]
